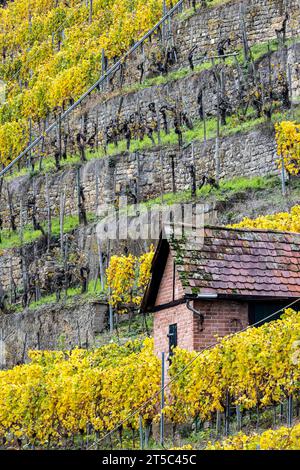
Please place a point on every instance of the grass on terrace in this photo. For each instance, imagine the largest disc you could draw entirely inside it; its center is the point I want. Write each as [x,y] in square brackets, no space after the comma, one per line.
[189,12]
[94,292]
[228,188]
[10,239]
[127,331]
[257,50]
[266,188]
[234,125]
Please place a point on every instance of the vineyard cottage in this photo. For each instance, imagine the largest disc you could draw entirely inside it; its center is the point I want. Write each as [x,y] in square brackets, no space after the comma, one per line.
[235,278]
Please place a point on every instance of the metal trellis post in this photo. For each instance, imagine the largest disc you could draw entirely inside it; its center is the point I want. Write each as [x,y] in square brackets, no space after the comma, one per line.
[141,433]
[162,404]
[290,411]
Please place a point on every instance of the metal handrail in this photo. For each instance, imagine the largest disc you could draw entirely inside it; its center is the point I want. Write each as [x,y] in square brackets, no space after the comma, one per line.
[99,82]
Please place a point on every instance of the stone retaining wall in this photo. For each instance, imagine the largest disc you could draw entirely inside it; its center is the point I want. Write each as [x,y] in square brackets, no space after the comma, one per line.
[51,327]
[145,172]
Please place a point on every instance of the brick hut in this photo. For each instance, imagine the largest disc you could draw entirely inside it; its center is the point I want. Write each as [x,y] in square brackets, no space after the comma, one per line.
[235,278]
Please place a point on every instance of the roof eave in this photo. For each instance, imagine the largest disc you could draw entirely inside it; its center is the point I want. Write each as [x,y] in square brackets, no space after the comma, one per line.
[243,297]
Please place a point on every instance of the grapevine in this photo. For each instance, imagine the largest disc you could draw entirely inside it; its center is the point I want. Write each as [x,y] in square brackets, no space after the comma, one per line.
[282,221]
[279,439]
[59,394]
[127,278]
[288,146]
[51,52]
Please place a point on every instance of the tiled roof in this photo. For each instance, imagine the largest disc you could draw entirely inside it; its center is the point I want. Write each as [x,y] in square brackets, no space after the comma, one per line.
[240,262]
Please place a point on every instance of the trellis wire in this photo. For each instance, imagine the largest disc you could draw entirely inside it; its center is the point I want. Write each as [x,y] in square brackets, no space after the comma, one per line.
[188,365]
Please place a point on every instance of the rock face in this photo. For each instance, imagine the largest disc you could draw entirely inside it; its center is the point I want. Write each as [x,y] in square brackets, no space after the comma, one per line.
[51,327]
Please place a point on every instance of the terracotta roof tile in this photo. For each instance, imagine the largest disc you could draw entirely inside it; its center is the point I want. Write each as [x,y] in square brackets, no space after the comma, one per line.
[241,262]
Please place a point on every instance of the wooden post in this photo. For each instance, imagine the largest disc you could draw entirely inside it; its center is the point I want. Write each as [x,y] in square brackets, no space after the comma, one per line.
[217,149]
[59,136]
[78,194]
[164,24]
[101,268]
[97,130]
[204,119]
[65,260]
[23,257]
[103,68]
[36,286]
[78,334]
[24,348]
[195,170]
[218,423]
[111,314]
[42,154]
[227,414]
[238,418]
[12,214]
[48,202]
[138,192]
[244,34]
[291,90]
[30,163]
[173,174]
[61,221]
[11,281]
[160,158]
[257,418]
[193,181]
[21,222]
[97,193]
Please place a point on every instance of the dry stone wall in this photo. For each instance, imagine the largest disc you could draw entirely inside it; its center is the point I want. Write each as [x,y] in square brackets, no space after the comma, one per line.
[261,19]
[205,28]
[249,154]
[145,172]
[50,327]
[185,92]
[13,272]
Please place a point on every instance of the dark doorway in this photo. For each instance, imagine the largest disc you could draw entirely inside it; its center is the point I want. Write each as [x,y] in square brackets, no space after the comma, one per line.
[263,311]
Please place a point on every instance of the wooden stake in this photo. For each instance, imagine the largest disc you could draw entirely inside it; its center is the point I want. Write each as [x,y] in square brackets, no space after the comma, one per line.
[61,221]
[48,202]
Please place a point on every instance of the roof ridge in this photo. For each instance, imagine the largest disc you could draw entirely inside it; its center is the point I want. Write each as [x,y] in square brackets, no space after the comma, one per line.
[232,229]
[247,230]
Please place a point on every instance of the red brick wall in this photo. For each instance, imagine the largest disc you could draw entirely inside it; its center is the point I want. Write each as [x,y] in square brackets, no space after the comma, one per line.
[221,318]
[185,328]
[165,292]
[178,314]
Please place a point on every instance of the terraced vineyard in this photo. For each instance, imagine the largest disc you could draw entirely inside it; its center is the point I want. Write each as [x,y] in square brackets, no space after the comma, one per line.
[151,103]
